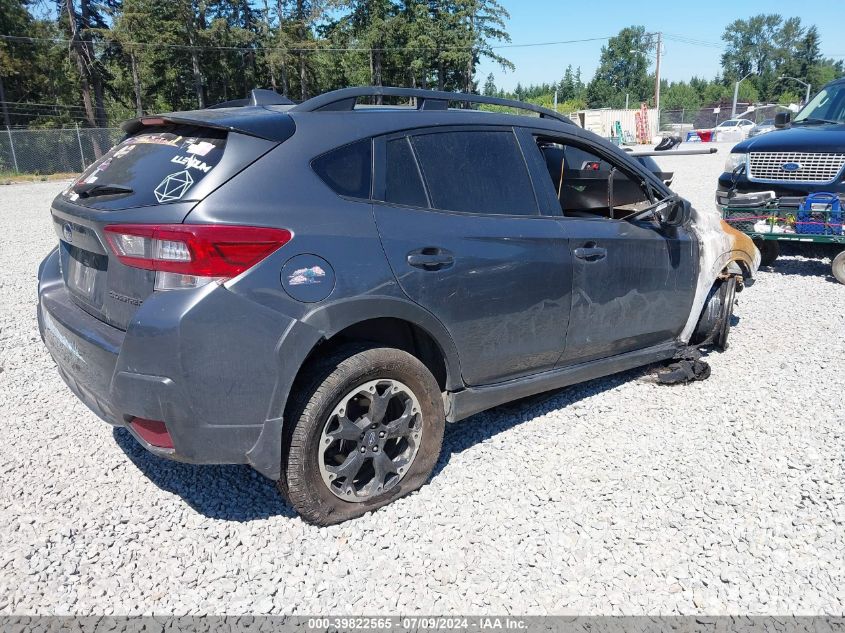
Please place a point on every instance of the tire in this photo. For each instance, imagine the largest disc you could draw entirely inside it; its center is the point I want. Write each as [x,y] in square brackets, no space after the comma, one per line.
[313,478]
[714,324]
[728,297]
[769,251]
[837,267]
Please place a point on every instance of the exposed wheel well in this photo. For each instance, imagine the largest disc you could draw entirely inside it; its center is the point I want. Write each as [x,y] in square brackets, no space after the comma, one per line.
[391,332]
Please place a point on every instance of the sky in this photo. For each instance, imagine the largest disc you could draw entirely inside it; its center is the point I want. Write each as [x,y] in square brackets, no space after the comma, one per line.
[535,21]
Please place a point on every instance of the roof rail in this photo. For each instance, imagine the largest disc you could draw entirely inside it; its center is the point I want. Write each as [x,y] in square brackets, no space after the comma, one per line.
[346,98]
[257,97]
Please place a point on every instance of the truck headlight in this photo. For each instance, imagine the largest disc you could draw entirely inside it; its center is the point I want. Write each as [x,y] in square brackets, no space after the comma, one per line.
[735,159]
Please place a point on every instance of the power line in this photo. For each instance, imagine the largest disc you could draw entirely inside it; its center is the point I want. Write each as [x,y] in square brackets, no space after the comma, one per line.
[316,48]
[695,42]
[44,105]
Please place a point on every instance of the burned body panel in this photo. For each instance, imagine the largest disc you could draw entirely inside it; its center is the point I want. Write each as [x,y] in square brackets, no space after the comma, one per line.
[719,246]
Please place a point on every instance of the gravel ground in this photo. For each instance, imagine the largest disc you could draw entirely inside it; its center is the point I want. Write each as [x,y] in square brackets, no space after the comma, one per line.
[618,496]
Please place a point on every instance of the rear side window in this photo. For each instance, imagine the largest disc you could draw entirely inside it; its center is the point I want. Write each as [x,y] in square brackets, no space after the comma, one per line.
[475,172]
[403,184]
[347,169]
[157,166]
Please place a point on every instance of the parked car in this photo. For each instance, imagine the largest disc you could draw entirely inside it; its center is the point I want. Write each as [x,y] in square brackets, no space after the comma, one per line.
[739,127]
[767,125]
[314,290]
[742,124]
[801,157]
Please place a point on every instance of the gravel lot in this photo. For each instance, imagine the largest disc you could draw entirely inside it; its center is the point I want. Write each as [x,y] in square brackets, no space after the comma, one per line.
[618,496]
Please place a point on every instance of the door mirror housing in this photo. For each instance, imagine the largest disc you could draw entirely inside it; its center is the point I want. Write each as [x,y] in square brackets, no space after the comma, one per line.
[782,119]
[674,212]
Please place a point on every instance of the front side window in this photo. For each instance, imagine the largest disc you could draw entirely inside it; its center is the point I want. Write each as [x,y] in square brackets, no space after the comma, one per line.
[347,170]
[589,186]
[475,172]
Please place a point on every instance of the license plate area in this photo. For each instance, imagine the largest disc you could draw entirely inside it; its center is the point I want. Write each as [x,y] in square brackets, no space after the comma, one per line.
[86,272]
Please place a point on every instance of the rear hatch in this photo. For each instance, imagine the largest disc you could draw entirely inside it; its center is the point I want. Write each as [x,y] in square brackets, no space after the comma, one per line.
[154,176]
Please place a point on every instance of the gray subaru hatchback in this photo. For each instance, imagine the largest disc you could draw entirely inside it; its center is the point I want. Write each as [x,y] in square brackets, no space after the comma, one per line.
[315,289]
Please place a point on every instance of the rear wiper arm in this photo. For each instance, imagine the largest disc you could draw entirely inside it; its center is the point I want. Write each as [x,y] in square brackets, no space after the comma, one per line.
[89,190]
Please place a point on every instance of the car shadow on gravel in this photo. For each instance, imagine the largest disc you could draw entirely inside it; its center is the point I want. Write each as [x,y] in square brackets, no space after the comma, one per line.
[462,435]
[238,493]
[801,267]
[229,493]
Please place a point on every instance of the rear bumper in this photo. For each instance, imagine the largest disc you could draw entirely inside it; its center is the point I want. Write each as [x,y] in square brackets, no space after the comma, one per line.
[207,363]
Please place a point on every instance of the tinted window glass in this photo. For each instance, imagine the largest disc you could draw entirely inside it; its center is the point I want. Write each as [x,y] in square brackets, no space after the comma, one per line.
[347,169]
[476,172]
[402,178]
[161,165]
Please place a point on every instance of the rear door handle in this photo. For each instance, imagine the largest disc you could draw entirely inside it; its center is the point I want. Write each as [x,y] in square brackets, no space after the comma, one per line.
[590,252]
[430,258]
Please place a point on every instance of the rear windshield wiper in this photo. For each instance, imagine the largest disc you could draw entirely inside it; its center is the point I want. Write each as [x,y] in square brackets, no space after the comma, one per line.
[89,190]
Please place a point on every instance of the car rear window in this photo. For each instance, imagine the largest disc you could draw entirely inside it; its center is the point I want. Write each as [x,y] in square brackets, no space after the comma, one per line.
[347,170]
[158,166]
[475,172]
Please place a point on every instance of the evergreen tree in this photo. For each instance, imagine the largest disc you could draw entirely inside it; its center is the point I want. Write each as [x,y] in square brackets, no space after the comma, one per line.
[623,68]
[490,86]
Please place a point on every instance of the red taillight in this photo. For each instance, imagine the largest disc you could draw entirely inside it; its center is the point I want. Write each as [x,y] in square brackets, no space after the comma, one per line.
[201,250]
[152,432]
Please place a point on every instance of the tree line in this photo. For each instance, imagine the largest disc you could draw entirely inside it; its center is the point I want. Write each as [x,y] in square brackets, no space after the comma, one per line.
[98,62]
[769,47]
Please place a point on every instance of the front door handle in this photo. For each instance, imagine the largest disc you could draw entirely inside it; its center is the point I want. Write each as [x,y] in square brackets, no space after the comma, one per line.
[430,258]
[590,252]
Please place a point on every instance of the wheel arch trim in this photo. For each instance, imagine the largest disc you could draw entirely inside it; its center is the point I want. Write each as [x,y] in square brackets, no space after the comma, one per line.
[321,324]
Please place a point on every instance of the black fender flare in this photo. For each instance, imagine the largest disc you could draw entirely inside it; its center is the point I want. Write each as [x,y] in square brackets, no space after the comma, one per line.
[321,324]
[337,316]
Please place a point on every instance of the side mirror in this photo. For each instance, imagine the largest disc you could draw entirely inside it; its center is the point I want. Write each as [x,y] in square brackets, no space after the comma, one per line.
[676,212]
[782,119]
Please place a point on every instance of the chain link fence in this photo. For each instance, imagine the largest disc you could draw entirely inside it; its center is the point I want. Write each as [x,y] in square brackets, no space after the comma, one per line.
[706,118]
[71,150]
[67,150]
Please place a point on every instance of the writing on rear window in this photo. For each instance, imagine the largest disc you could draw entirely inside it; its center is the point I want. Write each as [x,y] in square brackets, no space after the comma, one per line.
[156,167]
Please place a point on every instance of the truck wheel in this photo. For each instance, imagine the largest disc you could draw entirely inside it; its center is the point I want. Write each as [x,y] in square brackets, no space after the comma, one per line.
[367,427]
[769,251]
[838,267]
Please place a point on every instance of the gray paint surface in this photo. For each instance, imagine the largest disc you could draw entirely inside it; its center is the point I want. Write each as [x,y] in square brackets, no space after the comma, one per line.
[511,313]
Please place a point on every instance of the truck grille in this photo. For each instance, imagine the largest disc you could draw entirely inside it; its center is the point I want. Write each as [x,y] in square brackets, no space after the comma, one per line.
[812,167]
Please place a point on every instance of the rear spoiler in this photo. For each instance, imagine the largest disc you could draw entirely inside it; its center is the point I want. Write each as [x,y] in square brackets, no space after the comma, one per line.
[255,120]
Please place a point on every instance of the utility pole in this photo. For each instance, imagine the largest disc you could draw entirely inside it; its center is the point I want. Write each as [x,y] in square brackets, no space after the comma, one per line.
[659,52]
[657,76]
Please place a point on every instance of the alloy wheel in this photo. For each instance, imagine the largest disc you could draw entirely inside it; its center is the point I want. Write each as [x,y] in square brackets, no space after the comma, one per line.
[370,440]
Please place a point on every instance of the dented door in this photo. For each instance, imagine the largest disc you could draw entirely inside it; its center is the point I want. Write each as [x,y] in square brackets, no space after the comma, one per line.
[633,285]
